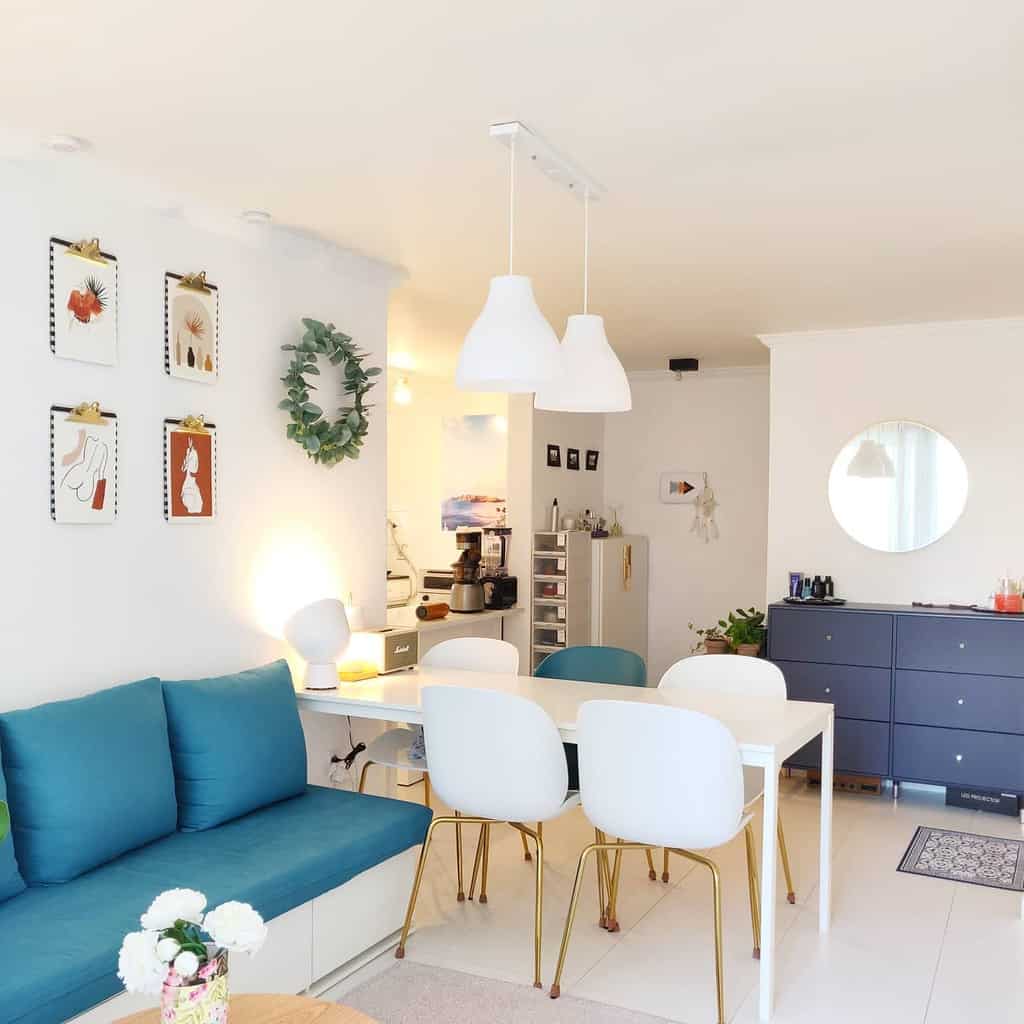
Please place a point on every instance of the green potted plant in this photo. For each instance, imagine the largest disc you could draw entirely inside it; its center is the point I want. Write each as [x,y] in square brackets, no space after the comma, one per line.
[711,639]
[745,631]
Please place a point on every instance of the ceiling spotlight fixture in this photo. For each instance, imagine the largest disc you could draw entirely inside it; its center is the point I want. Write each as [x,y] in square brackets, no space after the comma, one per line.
[511,346]
[402,393]
[67,144]
[256,217]
[590,378]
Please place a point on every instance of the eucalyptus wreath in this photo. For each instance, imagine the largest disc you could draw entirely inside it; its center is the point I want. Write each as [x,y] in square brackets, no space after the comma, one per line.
[327,441]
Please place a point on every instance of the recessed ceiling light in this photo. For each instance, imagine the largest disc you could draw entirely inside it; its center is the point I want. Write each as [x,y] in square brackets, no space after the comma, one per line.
[67,144]
[256,217]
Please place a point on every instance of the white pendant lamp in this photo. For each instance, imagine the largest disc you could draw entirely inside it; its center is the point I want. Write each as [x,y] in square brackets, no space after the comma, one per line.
[511,347]
[590,377]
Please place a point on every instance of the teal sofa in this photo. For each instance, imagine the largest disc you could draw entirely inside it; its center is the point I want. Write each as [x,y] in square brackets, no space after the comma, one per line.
[120,795]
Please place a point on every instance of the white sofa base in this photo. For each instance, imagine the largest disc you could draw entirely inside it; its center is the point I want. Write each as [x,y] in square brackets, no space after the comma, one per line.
[312,947]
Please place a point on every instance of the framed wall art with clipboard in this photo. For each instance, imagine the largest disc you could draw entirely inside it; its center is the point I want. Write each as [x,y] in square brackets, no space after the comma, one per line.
[83,301]
[190,470]
[83,464]
[191,327]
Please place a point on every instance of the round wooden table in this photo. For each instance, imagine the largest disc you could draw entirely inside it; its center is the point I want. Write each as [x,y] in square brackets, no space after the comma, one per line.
[274,1010]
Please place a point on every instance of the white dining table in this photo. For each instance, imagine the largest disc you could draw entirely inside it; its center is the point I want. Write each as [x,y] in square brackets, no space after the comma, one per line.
[767,731]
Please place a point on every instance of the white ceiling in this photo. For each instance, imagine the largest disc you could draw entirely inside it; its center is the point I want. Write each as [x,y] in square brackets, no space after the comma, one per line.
[770,166]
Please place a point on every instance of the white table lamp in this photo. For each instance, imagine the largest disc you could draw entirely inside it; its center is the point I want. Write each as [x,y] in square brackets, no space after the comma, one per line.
[320,633]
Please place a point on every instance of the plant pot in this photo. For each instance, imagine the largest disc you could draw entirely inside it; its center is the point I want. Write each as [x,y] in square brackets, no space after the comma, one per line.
[204,1000]
[716,646]
[749,650]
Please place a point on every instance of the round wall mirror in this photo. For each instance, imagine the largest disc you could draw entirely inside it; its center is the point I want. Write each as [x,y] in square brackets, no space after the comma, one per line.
[897,486]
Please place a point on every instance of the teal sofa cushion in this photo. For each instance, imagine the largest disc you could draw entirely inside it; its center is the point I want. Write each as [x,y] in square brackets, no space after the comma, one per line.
[11,882]
[237,744]
[63,955]
[87,779]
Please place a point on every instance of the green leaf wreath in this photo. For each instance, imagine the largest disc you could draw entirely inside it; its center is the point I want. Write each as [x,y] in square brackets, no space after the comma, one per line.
[327,441]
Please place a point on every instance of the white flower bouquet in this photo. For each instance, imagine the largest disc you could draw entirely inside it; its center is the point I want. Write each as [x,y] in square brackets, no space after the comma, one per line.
[172,957]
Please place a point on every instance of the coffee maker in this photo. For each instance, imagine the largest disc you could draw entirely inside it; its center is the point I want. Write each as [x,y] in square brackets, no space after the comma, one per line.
[500,589]
[467,590]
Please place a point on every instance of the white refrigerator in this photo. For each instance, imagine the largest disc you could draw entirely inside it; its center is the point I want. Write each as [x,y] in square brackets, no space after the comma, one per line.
[618,593]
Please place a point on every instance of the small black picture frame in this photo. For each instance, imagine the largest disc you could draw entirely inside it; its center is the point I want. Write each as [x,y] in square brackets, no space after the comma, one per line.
[555,456]
[572,458]
[592,460]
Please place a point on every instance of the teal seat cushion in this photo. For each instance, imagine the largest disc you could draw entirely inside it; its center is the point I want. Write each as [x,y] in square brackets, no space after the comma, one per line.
[87,779]
[11,882]
[237,744]
[62,957]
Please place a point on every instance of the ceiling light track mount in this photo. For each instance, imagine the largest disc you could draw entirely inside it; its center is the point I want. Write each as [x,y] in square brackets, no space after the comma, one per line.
[552,164]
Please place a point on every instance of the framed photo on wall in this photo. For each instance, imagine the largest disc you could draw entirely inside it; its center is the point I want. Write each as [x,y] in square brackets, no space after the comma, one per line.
[190,470]
[83,302]
[679,486]
[572,458]
[83,464]
[191,327]
[555,456]
[592,457]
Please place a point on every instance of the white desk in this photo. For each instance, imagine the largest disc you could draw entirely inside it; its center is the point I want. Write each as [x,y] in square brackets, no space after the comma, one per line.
[767,731]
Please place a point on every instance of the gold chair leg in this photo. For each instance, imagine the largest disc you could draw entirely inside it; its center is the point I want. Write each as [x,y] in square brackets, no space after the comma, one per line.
[784,853]
[556,985]
[651,873]
[362,775]
[526,848]
[460,895]
[426,789]
[602,898]
[664,869]
[716,883]
[538,908]
[414,895]
[476,861]
[613,900]
[753,890]
[487,853]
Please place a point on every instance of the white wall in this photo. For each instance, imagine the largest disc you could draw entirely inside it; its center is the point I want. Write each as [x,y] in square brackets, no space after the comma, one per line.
[963,379]
[414,463]
[715,421]
[89,606]
[575,490]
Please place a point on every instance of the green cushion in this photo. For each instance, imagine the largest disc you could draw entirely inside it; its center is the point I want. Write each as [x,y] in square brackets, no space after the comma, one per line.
[87,779]
[237,744]
[11,882]
[63,955]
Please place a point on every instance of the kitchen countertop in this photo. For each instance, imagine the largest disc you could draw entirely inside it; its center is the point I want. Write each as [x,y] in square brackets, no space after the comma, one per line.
[902,609]
[407,617]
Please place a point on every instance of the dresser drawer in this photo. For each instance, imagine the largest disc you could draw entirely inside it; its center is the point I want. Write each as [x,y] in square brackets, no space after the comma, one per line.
[855,691]
[860,747]
[959,757]
[993,703]
[832,637]
[960,644]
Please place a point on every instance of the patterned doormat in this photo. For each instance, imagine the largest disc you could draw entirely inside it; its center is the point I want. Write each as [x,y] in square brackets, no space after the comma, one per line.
[966,857]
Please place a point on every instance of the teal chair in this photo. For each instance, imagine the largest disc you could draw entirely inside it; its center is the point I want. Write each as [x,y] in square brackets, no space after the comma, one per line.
[595,665]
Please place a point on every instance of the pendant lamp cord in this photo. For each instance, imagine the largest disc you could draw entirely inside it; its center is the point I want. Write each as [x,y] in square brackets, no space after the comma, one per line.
[586,246]
[511,199]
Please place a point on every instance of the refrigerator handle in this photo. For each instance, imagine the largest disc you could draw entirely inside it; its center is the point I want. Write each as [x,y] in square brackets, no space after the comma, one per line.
[627,566]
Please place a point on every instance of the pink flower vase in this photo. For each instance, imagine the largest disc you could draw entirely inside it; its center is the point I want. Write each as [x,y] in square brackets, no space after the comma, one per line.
[199,1000]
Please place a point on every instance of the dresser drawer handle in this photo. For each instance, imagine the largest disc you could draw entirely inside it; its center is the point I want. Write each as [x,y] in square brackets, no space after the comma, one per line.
[963,646]
[828,636]
[828,689]
[959,700]
[959,757]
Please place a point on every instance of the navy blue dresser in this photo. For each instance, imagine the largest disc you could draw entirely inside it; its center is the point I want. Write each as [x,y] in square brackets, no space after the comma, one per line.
[921,694]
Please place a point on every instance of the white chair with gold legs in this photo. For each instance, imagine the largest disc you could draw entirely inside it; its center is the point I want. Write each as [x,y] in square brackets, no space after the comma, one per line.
[681,787]
[742,677]
[391,749]
[499,759]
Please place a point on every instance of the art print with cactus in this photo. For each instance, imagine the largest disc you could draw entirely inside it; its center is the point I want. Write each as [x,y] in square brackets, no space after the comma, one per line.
[192,324]
[83,302]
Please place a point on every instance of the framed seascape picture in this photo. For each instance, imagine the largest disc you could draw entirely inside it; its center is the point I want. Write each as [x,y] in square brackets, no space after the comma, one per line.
[83,464]
[191,327]
[83,302]
[190,470]
[473,475]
